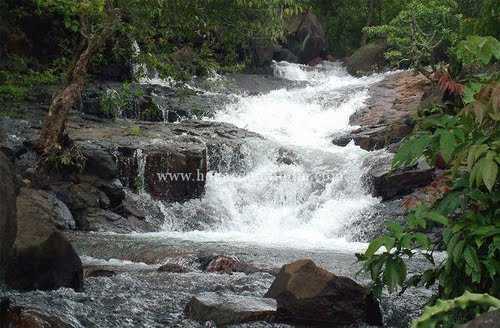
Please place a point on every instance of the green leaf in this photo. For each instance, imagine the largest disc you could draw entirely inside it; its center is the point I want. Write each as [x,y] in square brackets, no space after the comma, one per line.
[447,145]
[489,172]
[470,257]
[436,217]
[394,273]
[374,246]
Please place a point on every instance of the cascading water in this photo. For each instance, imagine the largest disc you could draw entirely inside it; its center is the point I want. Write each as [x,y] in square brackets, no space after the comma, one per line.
[303,205]
[295,190]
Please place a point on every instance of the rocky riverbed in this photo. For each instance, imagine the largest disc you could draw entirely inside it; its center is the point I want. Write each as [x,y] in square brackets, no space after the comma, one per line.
[261,185]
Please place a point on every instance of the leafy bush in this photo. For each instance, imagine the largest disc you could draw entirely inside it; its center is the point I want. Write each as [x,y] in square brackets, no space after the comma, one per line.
[466,140]
[421,33]
[115,101]
[444,312]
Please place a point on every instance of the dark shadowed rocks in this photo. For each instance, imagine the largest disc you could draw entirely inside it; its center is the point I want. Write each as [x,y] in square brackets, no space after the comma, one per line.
[306,37]
[367,59]
[309,295]
[388,184]
[44,208]
[228,309]
[8,225]
[46,265]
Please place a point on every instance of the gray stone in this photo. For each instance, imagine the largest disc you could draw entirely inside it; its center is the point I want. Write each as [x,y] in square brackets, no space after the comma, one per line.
[227,309]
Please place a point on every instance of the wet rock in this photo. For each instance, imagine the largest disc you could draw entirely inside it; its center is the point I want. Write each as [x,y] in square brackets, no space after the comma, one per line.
[176,175]
[44,208]
[15,137]
[387,118]
[388,184]
[307,294]
[97,272]
[367,59]
[173,268]
[8,225]
[100,162]
[486,320]
[228,264]
[283,54]
[341,139]
[21,317]
[306,37]
[113,189]
[45,265]
[287,156]
[377,137]
[80,198]
[228,309]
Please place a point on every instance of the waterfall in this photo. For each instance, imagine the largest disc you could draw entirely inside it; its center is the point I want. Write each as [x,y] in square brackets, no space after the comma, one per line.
[307,204]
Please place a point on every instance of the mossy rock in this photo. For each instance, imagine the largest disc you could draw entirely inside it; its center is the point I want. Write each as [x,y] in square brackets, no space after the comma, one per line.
[368,59]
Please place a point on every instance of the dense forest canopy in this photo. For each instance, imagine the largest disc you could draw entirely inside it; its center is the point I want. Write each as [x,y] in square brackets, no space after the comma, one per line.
[454,43]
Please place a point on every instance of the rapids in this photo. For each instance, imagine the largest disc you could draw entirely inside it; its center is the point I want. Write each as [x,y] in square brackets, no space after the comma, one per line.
[296,195]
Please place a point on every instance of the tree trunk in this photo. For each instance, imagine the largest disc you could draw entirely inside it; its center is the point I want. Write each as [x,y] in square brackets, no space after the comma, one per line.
[53,135]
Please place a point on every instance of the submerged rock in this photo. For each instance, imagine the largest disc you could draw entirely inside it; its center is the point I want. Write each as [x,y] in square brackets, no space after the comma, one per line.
[45,265]
[228,309]
[309,295]
[8,225]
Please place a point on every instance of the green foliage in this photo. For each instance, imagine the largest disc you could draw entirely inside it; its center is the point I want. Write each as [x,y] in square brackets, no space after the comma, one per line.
[69,160]
[115,101]
[466,139]
[135,131]
[478,50]
[421,33]
[444,311]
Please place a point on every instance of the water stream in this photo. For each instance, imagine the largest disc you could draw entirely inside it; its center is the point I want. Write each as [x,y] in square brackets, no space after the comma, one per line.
[296,197]
[308,203]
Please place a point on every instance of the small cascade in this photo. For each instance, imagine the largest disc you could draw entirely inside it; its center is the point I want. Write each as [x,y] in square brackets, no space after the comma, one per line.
[294,189]
[141,168]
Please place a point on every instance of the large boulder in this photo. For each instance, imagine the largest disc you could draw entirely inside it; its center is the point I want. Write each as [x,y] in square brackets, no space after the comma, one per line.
[46,265]
[388,115]
[39,209]
[229,309]
[307,294]
[43,258]
[8,227]
[367,59]
[306,38]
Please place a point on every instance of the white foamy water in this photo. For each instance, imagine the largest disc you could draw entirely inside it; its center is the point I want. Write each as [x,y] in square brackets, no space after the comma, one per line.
[308,204]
